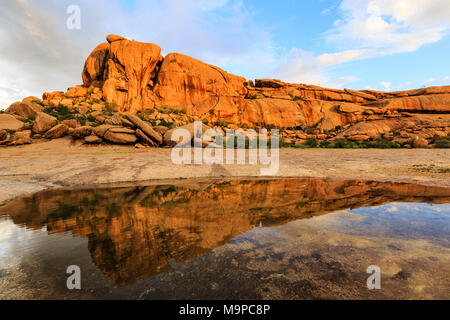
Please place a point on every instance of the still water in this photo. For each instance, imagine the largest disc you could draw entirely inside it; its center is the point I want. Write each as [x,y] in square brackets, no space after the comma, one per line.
[255,239]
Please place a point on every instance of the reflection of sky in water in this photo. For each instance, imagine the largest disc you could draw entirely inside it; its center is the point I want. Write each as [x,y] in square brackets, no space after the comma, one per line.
[404,220]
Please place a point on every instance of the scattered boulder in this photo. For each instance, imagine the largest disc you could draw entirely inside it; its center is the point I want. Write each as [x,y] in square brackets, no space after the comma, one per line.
[93,139]
[30,99]
[358,137]
[43,123]
[120,135]
[161,130]
[71,123]
[146,128]
[67,103]
[76,92]
[20,138]
[100,119]
[82,109]
[9,122]
[117,119]
[418,142]
[189,127]
[101,130]
[3,135]
[58,131]
[52,95]
[145,139]
[24,109]
[81,132]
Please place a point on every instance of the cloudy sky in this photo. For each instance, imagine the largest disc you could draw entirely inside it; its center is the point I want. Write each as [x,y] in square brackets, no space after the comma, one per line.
[358,44]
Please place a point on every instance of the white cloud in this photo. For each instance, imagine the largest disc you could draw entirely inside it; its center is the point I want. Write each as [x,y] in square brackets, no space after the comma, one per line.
[302,66]
[368,29]
[386,85]
[436,81]
[392,209]
[390,26]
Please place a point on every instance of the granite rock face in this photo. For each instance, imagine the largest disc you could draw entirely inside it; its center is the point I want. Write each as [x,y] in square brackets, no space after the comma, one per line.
[136,77]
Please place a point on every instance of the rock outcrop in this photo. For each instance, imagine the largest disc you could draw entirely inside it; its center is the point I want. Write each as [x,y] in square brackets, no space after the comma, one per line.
[136,77]
[131,85]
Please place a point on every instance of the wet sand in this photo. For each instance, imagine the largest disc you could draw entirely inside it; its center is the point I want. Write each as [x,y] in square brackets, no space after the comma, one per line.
[63,163]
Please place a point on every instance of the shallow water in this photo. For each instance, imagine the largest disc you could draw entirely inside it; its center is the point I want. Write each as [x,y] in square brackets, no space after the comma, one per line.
[273,239]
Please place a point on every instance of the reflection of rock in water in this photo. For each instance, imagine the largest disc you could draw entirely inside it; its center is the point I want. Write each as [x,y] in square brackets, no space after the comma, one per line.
[134,232]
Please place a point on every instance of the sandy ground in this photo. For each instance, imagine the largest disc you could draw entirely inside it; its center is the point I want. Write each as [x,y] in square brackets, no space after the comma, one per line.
[63,163]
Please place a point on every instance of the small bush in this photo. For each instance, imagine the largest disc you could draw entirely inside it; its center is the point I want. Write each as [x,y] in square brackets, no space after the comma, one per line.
[221,123]
[25,120]
[39,102]
[167,110]
[310,143]
[81,120]
[298,98]
[161,123]
[111,108]
[442,143]
[60,112]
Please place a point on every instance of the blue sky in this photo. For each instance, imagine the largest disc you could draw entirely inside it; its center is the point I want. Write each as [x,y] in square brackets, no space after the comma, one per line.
[360,44]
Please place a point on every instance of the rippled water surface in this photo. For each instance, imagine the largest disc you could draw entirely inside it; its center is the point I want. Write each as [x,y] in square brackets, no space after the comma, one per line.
[274,239]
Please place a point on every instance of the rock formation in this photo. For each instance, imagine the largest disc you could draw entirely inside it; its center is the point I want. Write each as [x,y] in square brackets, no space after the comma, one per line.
[129,77]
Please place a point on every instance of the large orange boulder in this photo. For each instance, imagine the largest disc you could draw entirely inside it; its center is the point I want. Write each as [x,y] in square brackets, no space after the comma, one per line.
[9,122]
[94,66]
[129,73]
[24,109]
[44,122]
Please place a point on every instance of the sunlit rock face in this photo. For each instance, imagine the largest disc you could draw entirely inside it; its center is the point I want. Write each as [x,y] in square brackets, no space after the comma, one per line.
[135,232]
[137,77]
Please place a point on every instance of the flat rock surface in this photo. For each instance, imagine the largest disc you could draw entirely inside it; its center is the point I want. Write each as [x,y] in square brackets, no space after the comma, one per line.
[63,163]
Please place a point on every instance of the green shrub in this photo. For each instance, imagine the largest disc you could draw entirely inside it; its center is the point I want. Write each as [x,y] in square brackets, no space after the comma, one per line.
[311,143]
[442,143]
[111,108]
[60,112]
[81,120]
[167,110]
[161,123]
[38,102]
[221,123]
[297,98]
